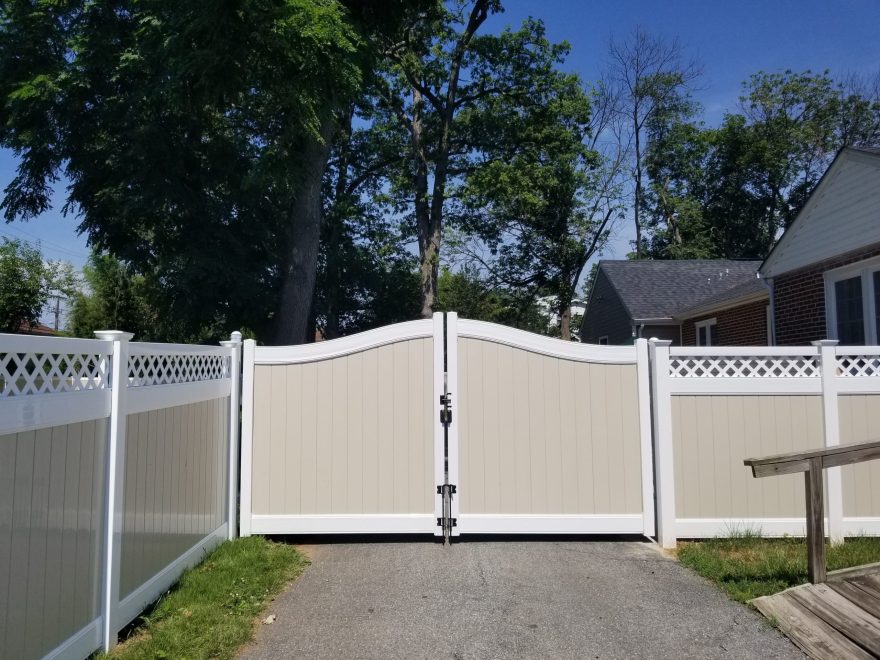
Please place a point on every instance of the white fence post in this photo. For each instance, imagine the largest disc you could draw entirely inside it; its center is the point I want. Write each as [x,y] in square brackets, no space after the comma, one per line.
[643,370]
[664,460]
[454,391]
[247,435]
[831,416]
[115,489]
[234,346]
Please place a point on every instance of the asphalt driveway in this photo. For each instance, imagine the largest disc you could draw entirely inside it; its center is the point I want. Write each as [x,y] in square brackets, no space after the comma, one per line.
[507,599]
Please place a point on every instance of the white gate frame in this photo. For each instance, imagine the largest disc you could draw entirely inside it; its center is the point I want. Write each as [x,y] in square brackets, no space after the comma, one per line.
[381,523]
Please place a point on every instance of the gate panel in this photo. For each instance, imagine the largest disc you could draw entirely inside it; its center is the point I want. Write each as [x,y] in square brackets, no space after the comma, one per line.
[342,434]
[550,435]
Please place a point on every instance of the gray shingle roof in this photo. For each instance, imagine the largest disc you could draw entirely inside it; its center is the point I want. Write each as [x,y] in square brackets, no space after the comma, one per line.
[660,289]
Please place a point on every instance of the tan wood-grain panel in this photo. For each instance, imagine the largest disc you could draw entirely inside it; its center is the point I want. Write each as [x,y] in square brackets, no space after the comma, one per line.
[539,434]
[347,435]
[50,535]
[712,435]
[860,422]
[182,451]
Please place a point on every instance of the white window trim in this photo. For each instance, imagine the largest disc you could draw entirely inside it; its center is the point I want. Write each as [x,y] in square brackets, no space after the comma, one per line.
[864,269]
[704,324]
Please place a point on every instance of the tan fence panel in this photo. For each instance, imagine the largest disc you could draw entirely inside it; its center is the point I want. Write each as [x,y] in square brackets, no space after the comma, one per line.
[175,485]
[346,435]
[51,498]
[541,434]
[860,422]
[712,435]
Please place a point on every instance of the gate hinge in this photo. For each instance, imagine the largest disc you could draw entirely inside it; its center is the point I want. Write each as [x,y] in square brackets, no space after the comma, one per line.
[451,487]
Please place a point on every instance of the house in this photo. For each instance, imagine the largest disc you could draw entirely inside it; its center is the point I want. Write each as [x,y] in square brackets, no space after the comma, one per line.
[824,272]
[690,302]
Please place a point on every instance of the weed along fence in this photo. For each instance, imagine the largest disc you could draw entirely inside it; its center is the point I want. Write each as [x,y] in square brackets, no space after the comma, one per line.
[715,407]
[119,460]
[117,471]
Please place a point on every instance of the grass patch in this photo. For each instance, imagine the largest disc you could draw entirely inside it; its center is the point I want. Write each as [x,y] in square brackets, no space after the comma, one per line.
[210,612]
[746,566]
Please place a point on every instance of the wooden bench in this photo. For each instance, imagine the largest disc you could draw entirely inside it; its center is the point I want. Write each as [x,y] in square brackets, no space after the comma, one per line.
[811,463]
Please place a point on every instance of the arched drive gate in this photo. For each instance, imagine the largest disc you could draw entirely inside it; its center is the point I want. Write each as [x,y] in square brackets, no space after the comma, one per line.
[446,426]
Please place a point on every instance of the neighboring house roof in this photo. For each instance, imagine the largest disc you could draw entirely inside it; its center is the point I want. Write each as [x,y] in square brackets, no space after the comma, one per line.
[38,329]
[751,290]
[658,290]
[841,215]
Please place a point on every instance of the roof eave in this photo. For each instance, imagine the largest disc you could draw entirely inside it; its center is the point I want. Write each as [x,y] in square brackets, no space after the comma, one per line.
[756,296]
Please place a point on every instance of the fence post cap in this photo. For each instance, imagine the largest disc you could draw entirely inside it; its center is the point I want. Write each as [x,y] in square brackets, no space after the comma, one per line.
[233,341]
[660,342]
[113,335]
[825,342]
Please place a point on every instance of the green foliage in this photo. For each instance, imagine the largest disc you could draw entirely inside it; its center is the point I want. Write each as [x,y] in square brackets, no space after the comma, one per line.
[210,612]
[747,566]
[26,282]
[472,298]
[180,127]
[729,191]
[117,299]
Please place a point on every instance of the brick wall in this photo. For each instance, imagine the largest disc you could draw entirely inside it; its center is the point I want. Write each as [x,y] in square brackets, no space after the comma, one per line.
[745,325]
[799,299]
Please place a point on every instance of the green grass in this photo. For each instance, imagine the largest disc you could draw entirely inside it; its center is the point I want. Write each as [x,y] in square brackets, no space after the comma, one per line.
[746,566]
[211,611]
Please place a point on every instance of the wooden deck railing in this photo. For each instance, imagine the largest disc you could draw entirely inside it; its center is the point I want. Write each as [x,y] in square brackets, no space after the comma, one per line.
[811,463]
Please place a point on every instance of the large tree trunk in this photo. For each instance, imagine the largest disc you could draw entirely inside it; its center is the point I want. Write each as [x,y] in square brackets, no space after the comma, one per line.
[298,284]
[637,207]
[565,323]
[429,271]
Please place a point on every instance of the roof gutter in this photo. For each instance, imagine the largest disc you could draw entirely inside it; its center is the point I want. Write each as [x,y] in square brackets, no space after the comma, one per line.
[720,307]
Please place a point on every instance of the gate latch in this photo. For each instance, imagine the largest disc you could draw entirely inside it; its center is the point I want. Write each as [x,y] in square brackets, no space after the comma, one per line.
[446,409]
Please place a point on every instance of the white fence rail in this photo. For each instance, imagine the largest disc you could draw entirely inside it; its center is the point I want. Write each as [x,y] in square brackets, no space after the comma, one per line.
[715,406]
[107,493]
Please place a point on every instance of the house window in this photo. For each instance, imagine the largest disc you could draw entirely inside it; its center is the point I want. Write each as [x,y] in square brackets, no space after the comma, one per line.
[852,303]
[707,332]
[603,340]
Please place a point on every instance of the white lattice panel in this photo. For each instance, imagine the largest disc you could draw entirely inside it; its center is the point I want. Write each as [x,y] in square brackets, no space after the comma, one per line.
[744,367]
[858,365]
[51,373]
[176,368]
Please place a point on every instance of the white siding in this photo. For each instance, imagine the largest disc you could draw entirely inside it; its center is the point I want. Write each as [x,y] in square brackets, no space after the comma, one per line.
[843,215]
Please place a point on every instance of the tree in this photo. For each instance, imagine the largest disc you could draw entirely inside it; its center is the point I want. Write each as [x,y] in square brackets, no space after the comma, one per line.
[447,93]
[194,137]
[547,200]
[366,276]
[422,92]
[26,282]
[729,191]
[651,78]
[464,292]
[116,298]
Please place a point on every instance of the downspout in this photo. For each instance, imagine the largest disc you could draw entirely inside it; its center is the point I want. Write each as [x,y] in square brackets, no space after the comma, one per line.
[769,284]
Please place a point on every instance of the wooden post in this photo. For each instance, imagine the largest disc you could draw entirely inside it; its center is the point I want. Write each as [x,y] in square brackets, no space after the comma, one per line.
[815,521]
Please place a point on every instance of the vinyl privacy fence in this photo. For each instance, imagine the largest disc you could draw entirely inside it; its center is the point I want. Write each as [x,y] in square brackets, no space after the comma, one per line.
[714,407]
[118,469]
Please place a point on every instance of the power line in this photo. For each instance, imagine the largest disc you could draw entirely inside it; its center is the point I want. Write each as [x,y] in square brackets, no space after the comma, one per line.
[39,242]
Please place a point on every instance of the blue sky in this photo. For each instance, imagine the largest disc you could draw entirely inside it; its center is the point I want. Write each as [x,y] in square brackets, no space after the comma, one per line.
[731,39]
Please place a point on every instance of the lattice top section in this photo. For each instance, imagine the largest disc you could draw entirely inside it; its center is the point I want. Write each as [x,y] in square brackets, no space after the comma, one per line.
[146,370]
[858,365]
[763,366]
[50,373]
